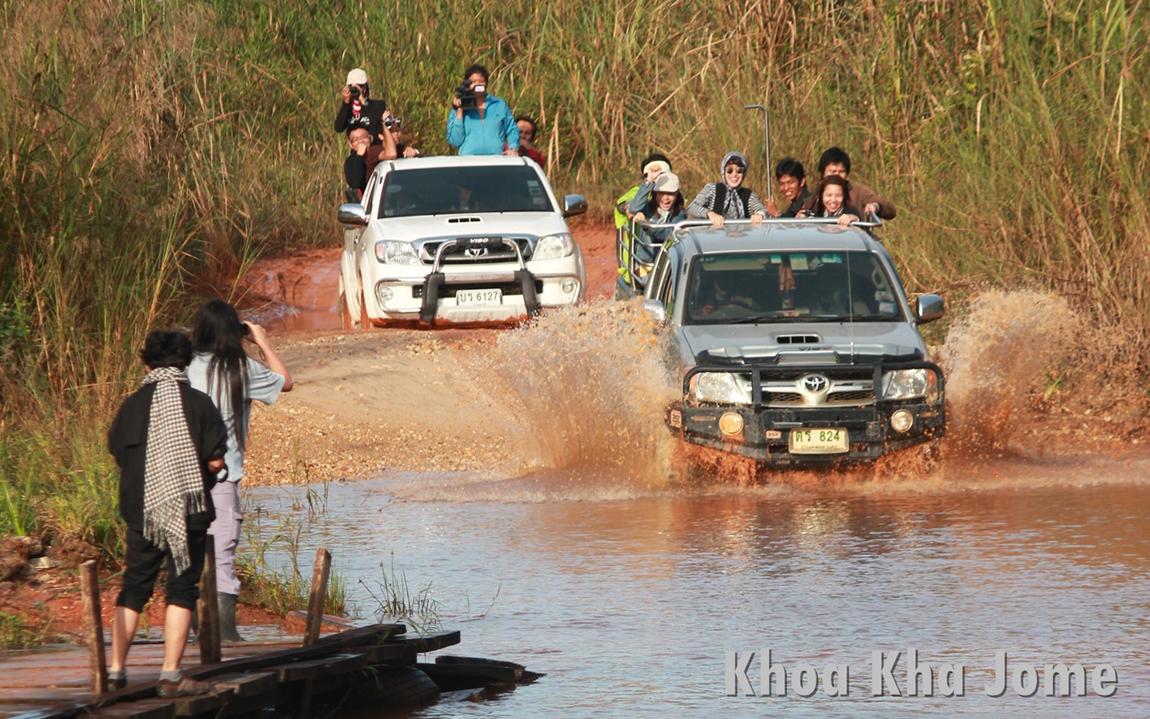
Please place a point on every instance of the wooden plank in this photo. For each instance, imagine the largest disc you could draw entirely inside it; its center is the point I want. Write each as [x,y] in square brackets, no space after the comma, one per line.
[59,712]
[452,659]
[248,685]
[146,709]
[468,676]
[93,627]
[320,573]
[208,634]
[429,642]
[365,636]
[390,653]
[333,664]
[200,704]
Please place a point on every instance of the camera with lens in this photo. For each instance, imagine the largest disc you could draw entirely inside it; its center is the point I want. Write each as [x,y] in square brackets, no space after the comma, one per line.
[392,122]
[355,91]
[466,95]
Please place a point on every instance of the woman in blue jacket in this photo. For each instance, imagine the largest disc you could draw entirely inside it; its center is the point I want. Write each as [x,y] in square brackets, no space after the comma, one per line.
[481,124]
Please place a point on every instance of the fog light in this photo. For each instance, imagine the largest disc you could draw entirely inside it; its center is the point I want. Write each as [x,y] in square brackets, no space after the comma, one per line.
[386,294]
[568,286]
[731,423]
[902,420]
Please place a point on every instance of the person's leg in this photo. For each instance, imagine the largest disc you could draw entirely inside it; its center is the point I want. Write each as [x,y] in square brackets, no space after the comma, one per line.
[124,625]
[182,593]
[142,563]
[226,532]
[177,622]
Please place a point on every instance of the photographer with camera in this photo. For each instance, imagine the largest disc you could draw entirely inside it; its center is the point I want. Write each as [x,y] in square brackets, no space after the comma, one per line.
[479,123]
[358,109]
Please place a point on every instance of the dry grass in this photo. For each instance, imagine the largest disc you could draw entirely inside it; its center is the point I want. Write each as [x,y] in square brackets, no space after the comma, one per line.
[149,148]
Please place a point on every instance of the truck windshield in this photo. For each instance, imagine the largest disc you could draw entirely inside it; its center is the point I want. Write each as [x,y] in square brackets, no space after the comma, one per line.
[448,190]
[751,287]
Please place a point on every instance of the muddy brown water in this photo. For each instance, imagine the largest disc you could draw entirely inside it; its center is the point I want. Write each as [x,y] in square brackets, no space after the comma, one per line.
[629,598]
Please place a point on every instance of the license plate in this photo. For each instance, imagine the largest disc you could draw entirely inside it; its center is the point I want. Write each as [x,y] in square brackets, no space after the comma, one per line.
[818,440]
[479,297]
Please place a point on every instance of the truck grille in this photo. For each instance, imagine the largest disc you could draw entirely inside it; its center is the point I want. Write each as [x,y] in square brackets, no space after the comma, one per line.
[462,255]
[841,392]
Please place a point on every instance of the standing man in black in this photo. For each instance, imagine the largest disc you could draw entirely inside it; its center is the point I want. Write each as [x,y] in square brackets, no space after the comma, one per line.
[358,108]
[169,442]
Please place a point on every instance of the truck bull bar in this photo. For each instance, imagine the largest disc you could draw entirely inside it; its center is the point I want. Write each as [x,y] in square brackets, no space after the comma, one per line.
[436,278]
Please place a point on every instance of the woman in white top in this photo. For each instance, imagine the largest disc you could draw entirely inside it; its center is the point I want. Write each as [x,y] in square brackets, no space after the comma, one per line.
[222,369]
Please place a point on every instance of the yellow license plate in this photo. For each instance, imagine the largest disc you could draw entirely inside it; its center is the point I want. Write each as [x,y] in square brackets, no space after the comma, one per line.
[818,440]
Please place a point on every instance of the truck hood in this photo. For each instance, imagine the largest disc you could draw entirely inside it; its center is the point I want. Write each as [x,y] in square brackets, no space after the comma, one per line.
[802,343]
[476,224]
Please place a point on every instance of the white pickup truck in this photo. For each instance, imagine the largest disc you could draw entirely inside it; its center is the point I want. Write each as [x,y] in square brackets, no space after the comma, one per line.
[457,240]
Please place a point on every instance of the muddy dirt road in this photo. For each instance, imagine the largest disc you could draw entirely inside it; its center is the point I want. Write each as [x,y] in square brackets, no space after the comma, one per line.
[383,399]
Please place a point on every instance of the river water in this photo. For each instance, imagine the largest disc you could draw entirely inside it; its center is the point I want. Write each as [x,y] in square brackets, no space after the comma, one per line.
[629,598]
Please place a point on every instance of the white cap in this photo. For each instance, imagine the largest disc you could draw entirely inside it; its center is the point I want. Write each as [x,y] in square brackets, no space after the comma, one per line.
[357,77]
[667,182]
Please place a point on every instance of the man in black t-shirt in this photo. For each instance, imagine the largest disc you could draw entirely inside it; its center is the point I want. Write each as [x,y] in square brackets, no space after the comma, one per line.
[358,108]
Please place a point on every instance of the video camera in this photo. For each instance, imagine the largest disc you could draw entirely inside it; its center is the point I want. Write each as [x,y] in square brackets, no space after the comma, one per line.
[467,98]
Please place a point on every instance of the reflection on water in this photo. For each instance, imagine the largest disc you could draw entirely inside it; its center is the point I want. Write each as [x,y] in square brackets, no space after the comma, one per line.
[629,601]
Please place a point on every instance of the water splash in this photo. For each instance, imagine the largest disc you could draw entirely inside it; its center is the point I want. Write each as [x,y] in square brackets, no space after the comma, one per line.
[587,387]
[995,357]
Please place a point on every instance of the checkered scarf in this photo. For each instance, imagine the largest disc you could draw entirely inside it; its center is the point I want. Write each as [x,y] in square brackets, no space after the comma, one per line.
[173,483]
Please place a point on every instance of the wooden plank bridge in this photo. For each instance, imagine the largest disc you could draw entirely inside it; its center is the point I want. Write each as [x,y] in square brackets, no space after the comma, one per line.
[374,665]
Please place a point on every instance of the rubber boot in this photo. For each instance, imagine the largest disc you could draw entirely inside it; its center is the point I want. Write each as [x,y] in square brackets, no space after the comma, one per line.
[228,631]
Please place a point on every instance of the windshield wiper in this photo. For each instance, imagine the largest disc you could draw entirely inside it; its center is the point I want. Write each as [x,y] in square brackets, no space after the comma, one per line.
[757,319]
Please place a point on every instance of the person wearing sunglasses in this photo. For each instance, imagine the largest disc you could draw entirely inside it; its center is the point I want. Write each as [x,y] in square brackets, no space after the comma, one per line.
[728,199]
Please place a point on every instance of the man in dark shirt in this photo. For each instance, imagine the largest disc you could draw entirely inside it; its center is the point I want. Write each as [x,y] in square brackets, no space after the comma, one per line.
[355,169]
[169,442]
[792,179]
[358,109]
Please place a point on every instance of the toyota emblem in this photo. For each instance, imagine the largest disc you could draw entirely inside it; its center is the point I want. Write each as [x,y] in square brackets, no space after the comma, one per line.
[815,383]
[475,251]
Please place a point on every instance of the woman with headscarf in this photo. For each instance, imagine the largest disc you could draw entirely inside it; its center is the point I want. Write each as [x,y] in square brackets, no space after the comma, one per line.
[222,369]
[727,199]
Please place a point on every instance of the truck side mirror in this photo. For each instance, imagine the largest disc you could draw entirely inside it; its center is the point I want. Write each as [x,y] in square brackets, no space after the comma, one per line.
[657,310]
[928,308]
[574,205]
[352,213]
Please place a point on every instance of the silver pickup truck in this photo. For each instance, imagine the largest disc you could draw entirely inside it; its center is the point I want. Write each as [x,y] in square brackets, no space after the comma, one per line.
[796,343]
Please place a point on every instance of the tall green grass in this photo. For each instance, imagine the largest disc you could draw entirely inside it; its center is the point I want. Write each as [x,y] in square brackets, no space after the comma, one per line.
[149,148]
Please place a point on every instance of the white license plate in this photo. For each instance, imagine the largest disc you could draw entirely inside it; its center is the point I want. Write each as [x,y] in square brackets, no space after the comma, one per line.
[478,297]
[818,440]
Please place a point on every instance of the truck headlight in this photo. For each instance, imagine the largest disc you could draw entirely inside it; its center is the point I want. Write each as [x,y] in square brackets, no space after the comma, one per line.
[552,247]
[392,252]
[908,384]
[719,387]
